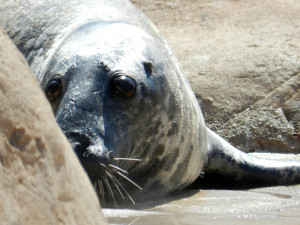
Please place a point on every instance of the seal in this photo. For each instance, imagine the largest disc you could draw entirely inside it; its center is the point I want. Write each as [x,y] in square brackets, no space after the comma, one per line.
[122,101]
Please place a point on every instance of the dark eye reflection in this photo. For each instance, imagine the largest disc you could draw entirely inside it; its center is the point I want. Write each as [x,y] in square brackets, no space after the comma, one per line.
[124,86]
[53,88]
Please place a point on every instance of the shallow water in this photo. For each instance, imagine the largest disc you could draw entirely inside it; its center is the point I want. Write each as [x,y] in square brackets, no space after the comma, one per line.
[272,205]
[269,205]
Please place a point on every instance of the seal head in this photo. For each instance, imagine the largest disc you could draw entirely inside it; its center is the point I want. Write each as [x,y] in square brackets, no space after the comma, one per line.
[120,100]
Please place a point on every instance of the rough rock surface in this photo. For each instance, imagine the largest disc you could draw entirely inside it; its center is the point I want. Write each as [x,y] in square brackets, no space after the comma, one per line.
[242,59]
[41,180]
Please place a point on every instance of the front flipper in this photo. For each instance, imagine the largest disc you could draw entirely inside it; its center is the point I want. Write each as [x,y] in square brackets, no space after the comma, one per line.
[225,160]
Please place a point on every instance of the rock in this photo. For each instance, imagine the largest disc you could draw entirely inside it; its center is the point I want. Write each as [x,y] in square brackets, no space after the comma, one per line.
[241,57]
[260,128]
[41,180]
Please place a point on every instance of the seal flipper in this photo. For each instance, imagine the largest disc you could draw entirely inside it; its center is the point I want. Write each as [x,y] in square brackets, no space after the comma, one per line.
[225,160]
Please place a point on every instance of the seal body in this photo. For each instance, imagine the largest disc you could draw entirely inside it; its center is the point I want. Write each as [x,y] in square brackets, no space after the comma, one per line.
[121,99]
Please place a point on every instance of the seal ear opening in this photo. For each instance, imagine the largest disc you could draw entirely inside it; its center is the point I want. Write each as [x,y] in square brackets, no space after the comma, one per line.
[148,67]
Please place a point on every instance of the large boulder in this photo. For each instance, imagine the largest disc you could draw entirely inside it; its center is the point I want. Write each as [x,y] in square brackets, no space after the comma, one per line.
[242,60]
[41,180]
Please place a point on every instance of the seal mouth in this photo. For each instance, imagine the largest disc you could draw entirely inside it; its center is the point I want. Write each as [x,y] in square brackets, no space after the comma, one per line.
[109,180]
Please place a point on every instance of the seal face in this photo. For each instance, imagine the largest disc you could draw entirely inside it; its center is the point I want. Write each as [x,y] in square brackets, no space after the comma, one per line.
[117,97]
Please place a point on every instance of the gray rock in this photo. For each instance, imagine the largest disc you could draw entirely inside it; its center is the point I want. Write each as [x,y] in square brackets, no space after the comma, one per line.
[239,56]
[257,129]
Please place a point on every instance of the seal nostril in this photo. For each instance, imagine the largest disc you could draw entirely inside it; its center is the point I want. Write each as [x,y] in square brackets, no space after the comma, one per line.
[92,162]
[79,142]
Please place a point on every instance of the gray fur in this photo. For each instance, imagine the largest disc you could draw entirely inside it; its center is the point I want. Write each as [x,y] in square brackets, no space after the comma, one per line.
[88,43]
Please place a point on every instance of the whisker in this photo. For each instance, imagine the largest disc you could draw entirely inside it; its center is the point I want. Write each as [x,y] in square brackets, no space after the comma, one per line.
[106,185]
[61,62]
[101,192]
[70,63]
[131,181]
[116,185]
[110,190]
[94,185]
[136,219]
[118,168]
[103,165]
[121,186]
[127,159]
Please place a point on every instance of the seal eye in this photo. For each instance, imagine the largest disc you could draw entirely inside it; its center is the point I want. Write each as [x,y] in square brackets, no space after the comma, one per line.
[53,88]
[124,86]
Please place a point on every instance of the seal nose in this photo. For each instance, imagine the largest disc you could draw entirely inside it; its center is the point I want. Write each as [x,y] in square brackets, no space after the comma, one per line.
[90,160]
[79,143]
